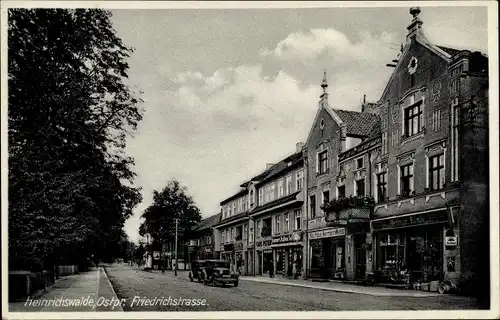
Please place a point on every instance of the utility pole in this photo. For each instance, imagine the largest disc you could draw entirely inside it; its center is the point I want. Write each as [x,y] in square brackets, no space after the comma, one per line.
[176,226]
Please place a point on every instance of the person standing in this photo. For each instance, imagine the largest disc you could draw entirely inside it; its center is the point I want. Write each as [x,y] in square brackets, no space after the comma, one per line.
[271,268]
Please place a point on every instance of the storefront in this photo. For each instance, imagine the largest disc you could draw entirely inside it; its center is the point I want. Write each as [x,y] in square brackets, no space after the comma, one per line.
[410,247]
[238,257]
[327,254]
[288,254]
[264,256]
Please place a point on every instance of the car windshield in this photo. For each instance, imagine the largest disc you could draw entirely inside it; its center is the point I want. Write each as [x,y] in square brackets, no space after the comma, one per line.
[221,264]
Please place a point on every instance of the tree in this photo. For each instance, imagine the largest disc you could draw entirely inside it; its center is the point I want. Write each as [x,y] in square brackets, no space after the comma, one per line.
[168,204]
[69,114]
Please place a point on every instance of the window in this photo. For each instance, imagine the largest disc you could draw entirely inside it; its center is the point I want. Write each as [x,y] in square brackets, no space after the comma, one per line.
[323,162]
[436,120]
[234,207]
[230,210]
[259,228]
[326,196]
[233,234]
[382,187]
[286,225]
[208,240]
[455,122]
[277,224]
[271,192]
[228,235]
[251,235]
[281,188]
[244,204]
[261,196]
[455,85]
[312,206]
[245,232]
[288,184]
[224,236]
[413,120]
[300,179]
[360,188]
[341,192]
[359,163]
[298,216]
[436,172]
[252,198]
[384,142]
[407,180]
[268,193]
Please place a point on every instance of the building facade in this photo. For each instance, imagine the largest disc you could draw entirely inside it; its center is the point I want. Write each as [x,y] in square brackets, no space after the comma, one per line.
[392,192]
[416,210]
[201,246]
[261,225]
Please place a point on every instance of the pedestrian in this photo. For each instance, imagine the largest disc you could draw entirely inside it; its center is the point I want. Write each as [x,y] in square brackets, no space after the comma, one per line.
[294,269]
[271,269]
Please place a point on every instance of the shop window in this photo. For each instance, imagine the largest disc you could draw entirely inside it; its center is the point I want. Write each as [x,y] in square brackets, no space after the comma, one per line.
[382,187]
[391,252]
[436,172]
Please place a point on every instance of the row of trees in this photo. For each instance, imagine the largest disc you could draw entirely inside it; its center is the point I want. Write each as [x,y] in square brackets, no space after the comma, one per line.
[69,115]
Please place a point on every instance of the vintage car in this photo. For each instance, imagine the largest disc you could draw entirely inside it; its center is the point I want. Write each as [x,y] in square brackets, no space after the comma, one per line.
[213,272]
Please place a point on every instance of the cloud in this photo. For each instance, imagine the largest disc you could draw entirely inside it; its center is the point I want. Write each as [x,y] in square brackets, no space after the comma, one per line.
[315,42]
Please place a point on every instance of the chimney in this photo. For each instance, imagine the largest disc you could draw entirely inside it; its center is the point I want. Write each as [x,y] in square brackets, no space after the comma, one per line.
[324,96]
[299,147]
[269,165]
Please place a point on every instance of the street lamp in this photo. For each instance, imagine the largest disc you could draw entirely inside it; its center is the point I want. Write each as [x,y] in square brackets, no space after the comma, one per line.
[176,226]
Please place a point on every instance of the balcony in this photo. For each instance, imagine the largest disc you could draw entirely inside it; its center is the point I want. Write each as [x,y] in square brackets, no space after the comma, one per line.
[349,211]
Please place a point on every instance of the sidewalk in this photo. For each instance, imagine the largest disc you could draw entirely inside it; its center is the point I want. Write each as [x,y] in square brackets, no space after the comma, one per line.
[84,292]
[341,287]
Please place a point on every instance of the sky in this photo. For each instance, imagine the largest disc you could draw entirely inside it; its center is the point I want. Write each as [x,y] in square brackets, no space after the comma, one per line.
[228,90]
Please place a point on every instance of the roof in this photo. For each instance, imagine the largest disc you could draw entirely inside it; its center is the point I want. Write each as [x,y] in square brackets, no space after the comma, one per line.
[207,223]
[376,130]
[449,51]
[232,218]
[358,123]
[234,196]
[276,202]
[279,167]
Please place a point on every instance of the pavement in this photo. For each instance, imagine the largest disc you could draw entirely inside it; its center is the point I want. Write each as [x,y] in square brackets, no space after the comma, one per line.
[84,292]
[341,287]
[157,291]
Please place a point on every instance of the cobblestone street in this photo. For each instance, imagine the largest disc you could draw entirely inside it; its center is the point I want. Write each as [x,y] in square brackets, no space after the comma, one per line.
[129,282]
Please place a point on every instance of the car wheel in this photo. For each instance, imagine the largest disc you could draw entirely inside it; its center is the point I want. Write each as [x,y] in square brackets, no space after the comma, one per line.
[236,284]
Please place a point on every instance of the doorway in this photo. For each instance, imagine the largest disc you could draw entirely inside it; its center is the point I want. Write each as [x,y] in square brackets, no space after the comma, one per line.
[359,241]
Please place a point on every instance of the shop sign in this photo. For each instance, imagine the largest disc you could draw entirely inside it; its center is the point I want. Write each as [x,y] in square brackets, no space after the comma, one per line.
[238,246]
[265,243]
[287,238]
[413,220]
[451,241]
[208,250]
[327,233]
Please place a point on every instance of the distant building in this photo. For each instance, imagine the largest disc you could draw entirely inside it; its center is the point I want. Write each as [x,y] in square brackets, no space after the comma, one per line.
[201,246]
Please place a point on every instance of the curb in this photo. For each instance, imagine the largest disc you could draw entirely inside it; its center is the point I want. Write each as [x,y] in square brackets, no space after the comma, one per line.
[118,308]
[379,294]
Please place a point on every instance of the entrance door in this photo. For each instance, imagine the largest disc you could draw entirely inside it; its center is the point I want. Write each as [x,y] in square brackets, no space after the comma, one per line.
[359,240]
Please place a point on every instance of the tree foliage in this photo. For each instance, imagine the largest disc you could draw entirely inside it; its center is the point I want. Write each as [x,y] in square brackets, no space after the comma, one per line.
[168,204]
[69,115]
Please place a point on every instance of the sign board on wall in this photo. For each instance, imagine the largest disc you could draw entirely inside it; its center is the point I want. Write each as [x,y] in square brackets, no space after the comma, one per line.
[451,241]
[294,237]
[327,233]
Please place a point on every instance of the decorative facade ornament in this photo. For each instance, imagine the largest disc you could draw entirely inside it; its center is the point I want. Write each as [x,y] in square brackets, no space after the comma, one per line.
[436,91]
[395,113]
[406,157]
[412,66]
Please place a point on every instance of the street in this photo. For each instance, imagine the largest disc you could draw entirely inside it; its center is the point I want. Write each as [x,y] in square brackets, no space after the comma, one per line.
[130,282]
